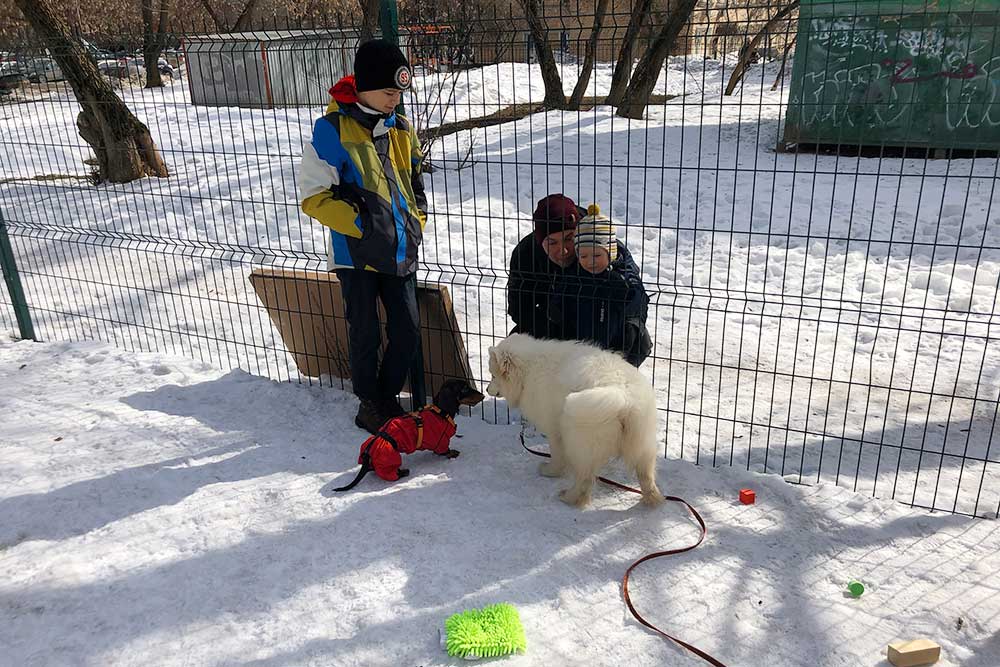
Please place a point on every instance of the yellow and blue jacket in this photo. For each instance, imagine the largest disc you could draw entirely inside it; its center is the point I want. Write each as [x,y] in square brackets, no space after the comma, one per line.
[361,178]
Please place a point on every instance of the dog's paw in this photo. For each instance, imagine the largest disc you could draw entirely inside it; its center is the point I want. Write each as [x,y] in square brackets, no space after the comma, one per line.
[403,472]
[568,497]
[549,469]
[652,499]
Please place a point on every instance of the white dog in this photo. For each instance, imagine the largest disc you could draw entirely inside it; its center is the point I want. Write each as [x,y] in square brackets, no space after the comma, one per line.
[591,404]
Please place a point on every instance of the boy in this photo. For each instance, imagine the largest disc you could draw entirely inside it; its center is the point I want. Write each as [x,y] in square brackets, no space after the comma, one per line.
[603,301]
[361,178]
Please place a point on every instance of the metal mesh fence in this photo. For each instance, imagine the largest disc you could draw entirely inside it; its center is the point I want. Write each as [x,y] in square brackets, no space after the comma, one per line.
[819,247]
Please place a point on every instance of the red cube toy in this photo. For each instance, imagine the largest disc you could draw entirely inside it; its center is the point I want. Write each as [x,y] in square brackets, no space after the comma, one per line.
[747,496]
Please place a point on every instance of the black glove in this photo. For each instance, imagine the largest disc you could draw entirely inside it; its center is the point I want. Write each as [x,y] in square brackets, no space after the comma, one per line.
[353,195]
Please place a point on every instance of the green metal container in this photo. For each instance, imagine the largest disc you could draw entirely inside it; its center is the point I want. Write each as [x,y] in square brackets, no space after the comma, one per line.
[901,73]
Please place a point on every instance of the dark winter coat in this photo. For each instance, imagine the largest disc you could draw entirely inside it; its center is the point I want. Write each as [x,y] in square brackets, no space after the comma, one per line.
[608,309]
[532,282]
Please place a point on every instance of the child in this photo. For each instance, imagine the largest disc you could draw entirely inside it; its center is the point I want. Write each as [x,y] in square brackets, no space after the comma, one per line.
[603,301]
[360,177]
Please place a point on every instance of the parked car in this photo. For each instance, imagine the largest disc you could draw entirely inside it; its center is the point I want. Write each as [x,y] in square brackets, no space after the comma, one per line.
[10,82]
[122,68]
[43,70]
[8,67]
[96,53]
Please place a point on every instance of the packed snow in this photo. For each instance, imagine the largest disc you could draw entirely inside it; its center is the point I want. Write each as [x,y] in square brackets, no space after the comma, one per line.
[161,511]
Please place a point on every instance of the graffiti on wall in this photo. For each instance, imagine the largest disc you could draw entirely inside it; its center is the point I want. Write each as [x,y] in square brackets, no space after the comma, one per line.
[871,73]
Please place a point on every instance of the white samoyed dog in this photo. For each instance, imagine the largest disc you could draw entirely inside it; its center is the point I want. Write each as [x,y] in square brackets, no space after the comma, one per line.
[591,404]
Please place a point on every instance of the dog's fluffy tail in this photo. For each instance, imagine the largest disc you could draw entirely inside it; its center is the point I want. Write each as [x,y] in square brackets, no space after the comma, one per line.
[595,406]
[610,418]
[625,418]
[601,423]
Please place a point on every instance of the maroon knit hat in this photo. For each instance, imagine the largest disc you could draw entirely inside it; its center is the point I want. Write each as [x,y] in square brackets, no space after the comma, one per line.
[555,213]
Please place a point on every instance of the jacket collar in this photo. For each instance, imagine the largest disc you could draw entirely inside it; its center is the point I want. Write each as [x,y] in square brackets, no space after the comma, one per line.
[345,93]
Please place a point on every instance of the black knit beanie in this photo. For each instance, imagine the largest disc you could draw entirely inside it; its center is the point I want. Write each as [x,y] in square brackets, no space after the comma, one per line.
[380,64]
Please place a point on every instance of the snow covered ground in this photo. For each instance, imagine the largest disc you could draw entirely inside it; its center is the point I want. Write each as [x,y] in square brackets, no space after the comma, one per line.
[161,511]
[824,318]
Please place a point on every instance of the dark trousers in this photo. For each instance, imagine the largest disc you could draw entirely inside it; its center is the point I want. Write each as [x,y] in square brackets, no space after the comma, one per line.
[361,290]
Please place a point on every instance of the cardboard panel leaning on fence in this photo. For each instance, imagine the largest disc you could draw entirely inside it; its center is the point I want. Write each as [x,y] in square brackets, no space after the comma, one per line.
[308,309]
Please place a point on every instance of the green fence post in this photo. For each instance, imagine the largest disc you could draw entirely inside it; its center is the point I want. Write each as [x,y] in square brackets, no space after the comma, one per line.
[388,17]
[13,280]
[389,22]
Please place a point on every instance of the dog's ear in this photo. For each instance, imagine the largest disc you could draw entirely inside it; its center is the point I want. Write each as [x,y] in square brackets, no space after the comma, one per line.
[506,363]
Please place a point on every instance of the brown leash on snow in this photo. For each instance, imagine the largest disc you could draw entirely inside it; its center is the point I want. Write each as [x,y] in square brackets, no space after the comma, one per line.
[657,554]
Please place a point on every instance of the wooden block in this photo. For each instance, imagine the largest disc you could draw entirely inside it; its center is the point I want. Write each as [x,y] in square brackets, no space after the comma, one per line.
[914,652]
[747,496]
[307,308]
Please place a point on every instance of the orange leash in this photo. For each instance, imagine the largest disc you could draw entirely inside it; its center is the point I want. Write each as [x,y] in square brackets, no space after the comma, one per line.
[657,554]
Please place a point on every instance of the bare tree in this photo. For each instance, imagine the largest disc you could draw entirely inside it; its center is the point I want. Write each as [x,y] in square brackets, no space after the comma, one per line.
[124,148]
[154,37]
[122,17]
[245,19]
[784,61]
[744,62]
[369,18]
[588,60]
[623,68]
[555,98]
[633,104]
[219,15]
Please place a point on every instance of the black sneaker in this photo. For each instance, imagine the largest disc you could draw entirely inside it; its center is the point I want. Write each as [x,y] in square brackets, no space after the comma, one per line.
[369,417]
[390,408]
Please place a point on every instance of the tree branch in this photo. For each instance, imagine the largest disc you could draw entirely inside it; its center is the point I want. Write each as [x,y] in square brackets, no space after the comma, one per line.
[744,62]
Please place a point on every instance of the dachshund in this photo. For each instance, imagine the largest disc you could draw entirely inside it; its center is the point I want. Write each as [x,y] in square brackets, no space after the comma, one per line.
[430,428]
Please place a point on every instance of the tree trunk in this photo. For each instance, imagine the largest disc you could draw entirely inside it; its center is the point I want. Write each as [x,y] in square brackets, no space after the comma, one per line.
[555,98]
[633,104]
[784,61]
[245,19]
[154,39]
[125,150]
[217,18]
[623,68]
[588,59]
[744,61]
[369,19]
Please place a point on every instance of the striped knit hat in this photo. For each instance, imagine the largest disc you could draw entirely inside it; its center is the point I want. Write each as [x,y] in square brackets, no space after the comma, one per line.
[596,230]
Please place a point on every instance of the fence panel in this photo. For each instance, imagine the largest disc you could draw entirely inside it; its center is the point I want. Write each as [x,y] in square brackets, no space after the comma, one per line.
[822,312]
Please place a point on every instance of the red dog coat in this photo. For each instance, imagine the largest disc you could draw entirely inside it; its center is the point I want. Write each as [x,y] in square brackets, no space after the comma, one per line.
[430,429]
